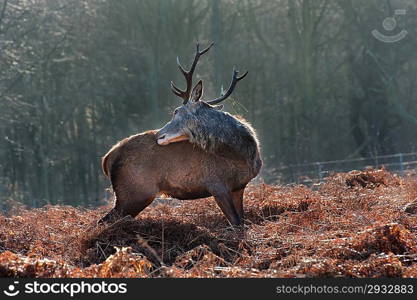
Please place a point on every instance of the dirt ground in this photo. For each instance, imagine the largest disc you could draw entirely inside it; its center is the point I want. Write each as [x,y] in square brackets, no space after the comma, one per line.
[356,224]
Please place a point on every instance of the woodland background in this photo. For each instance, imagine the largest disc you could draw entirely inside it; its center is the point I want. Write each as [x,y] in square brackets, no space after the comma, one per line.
[76,76]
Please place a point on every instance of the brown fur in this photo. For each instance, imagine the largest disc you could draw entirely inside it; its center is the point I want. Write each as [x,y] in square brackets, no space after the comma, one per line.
[140,169]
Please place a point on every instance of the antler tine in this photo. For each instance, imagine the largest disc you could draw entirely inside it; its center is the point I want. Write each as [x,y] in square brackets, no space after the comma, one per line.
[232,86]
[183,71]
[185,94]
[197,56]
[177,91]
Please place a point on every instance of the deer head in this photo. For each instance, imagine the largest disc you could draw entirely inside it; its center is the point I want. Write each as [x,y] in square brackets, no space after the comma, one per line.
[195,116]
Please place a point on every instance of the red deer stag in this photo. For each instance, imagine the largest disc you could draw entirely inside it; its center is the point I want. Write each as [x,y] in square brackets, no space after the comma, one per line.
[201,152]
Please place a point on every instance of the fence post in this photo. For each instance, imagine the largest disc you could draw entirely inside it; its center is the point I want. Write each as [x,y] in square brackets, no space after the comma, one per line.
[319,170]
[2,196]
[401,158]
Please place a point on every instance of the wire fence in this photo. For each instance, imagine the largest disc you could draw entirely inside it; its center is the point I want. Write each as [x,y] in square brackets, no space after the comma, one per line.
[311,173]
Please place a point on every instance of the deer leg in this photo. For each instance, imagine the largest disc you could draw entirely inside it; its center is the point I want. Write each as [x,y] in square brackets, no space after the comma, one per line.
[224,200]
[132,196]
[238,202]
[128,206]
[112,216]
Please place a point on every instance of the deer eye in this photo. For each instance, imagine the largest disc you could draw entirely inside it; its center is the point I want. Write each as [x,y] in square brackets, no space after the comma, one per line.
[175,112]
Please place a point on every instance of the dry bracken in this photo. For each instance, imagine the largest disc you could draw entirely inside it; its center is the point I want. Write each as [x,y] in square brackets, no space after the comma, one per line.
[353,225]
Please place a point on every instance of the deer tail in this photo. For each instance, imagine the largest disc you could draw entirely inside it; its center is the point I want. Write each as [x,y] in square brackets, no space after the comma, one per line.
[108,160]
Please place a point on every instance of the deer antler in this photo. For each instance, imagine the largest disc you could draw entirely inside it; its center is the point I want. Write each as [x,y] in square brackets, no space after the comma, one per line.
[229,91]
[185,94]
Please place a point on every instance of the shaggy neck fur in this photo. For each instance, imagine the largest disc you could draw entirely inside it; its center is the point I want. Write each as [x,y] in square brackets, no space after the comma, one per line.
[217,131]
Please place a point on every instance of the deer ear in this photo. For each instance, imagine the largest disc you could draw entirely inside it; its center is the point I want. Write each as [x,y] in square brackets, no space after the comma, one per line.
[197,92]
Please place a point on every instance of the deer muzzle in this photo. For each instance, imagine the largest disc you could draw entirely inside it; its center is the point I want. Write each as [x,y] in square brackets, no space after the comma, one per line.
[165,139]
